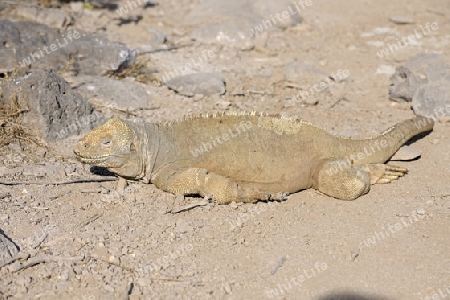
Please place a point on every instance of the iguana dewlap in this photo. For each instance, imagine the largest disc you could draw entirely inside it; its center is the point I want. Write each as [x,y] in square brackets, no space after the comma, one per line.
[246,156]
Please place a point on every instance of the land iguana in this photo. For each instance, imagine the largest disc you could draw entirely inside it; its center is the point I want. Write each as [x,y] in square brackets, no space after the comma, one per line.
[246,157]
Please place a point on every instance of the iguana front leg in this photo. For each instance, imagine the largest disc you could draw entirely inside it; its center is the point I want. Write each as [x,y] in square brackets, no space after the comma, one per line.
[339,179]
[200,181]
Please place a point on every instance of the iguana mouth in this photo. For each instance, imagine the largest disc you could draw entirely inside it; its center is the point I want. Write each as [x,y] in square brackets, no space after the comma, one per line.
[94,160]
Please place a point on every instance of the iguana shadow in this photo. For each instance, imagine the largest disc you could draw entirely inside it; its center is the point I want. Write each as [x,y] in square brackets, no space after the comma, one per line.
[351,296]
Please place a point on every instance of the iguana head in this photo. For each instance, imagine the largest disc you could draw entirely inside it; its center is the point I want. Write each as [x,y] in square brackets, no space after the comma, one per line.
[113,146]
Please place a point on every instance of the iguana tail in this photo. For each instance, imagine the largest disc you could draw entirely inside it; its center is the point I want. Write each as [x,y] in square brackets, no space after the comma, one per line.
[380,148]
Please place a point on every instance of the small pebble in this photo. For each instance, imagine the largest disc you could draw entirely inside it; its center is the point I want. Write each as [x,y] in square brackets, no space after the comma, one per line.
[4,195]
[142,281]
[355,254]
[375,43]
[398,19]
[435,141]
[114,259]
[385,69]
[23,280]
[227,288]
[64,275]
[14,267]
[421,211]
[163,209]
[183,227]
[61,286]
[109,288]
[41,152]
[69,170]
[207,84]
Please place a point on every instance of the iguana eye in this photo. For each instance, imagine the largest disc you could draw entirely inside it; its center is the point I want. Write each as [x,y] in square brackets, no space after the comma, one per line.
[106,143]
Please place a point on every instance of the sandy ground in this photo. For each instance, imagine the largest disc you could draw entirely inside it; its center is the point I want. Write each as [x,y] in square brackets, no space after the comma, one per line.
[392,243]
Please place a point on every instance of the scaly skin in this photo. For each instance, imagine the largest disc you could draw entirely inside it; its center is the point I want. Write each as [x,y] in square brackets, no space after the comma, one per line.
[246,156]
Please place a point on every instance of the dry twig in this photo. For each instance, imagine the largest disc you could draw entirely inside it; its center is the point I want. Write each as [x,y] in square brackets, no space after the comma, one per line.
[189,206]
[45,259]
[43,182]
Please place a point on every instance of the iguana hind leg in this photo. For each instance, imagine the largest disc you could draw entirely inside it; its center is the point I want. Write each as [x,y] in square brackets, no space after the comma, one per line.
[200,181]
[340,179]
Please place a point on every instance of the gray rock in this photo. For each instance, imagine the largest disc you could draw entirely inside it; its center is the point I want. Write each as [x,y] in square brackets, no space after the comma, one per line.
[10,172]
[28,39]
[96,54]
[52,17]
[76,6]
[415,73]
[303,73]
[53,109]
[157,37]
[211,11]
[433,100]
[198,83]
[424,80]
[406,153]
[236,22]
[37,46]
[112,93]
[265,8]
[55,170]
[227,33]
[7,59]
[9,34]
[8,249]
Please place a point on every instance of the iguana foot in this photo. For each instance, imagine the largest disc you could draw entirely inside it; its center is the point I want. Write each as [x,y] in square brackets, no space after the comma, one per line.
[279,196]
[383,173]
